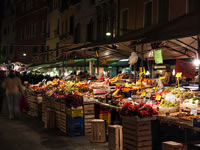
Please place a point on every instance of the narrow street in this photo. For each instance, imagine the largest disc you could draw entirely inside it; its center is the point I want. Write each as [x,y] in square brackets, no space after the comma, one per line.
[28,134]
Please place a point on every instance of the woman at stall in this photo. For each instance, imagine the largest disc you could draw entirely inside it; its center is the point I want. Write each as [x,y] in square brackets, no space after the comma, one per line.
[13,88]
[166,80]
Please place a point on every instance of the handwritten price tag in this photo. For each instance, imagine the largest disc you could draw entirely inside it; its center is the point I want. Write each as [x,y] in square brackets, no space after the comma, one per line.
[179,74]
[193,111]
[143,94]
[161,78]
[158,97]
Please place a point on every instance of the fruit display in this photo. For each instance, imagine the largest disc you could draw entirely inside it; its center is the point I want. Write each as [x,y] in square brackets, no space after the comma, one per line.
[165,103]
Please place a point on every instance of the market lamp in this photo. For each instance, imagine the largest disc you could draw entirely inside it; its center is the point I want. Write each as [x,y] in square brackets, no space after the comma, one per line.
[196,62]
[24,54]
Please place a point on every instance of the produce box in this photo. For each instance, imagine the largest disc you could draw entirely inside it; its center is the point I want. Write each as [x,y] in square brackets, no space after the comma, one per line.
[75,112]
[137,133]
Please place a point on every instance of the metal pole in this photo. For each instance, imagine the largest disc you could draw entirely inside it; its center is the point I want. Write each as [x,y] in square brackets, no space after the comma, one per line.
[198,40]
[142,62]
[135,67]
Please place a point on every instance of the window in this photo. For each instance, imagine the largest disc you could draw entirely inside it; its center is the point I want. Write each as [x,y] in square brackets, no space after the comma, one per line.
[90,31]
[57,49]
[62,27]
[47,57]
[71,25]
[193,5]
[48,32]
[42,48]
[92,2]
[33,30]
[66,26]
[11,49]
[34,51]
[77,33]
[43,26]
[58,27]
[4,31]
[147,14]
[55,4]
[124,23]
[163,11]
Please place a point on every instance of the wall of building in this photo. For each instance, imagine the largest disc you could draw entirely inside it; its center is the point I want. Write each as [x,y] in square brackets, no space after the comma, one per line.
[30,30]
[7,43]
[177,8]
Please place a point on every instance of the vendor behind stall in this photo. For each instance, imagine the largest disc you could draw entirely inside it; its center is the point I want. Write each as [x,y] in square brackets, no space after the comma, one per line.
[166,80]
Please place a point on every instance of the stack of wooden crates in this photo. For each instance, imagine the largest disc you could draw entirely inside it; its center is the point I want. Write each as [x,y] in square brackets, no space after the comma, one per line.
[89,115]
[34,106]
[137,133]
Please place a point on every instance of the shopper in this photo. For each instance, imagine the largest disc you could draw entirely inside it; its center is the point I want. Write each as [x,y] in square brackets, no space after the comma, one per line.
[2,92]
[13,88]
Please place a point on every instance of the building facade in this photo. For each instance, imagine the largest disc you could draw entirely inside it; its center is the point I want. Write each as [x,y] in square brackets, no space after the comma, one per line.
[7,42]
[138,14]
[31,17]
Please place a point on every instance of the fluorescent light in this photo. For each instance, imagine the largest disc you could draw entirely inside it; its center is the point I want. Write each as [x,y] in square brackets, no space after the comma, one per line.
[196,62]
[147,73]
[123,60]
[173,72]
[108,34]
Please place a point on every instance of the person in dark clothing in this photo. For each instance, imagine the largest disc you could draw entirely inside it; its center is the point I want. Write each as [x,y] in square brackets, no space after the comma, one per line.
[2,91]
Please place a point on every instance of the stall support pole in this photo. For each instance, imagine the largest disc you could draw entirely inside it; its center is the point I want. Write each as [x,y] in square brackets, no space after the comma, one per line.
[135,67]
[97,65]
[198,40]
[142,62]
[63,65]
[85,64]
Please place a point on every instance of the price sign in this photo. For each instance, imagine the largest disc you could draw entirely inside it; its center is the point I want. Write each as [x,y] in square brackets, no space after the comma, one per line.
[193,111]
[143,94]
[161,78]
[158,97]
[179,74]
[142,70]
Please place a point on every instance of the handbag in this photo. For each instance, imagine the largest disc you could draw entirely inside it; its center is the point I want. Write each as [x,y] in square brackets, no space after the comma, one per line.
[23,104]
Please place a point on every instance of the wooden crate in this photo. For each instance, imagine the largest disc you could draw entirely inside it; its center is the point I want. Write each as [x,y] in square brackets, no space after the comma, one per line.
[50,122]
[115,137]
[62,107]
[57,106]
[137,133]
[63,122]
[98,133]
[171,145]
[89,115]
[44,106]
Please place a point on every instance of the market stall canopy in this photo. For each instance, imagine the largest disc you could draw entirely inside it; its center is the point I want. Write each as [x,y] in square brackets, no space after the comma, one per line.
[177,39]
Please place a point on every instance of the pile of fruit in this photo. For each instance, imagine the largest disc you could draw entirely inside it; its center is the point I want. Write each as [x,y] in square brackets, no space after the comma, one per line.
[165,103]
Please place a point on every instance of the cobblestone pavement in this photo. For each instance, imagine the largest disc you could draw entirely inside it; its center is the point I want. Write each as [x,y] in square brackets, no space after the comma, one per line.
[28,134]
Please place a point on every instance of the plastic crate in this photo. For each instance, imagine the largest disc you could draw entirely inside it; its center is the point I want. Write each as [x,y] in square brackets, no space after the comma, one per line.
[75,120]
[75,130]
[75,112]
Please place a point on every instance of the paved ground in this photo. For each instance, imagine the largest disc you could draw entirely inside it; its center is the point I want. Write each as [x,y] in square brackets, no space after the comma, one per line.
[28,134]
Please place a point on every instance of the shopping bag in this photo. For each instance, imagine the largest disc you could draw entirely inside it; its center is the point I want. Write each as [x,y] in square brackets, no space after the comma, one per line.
[23,104]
